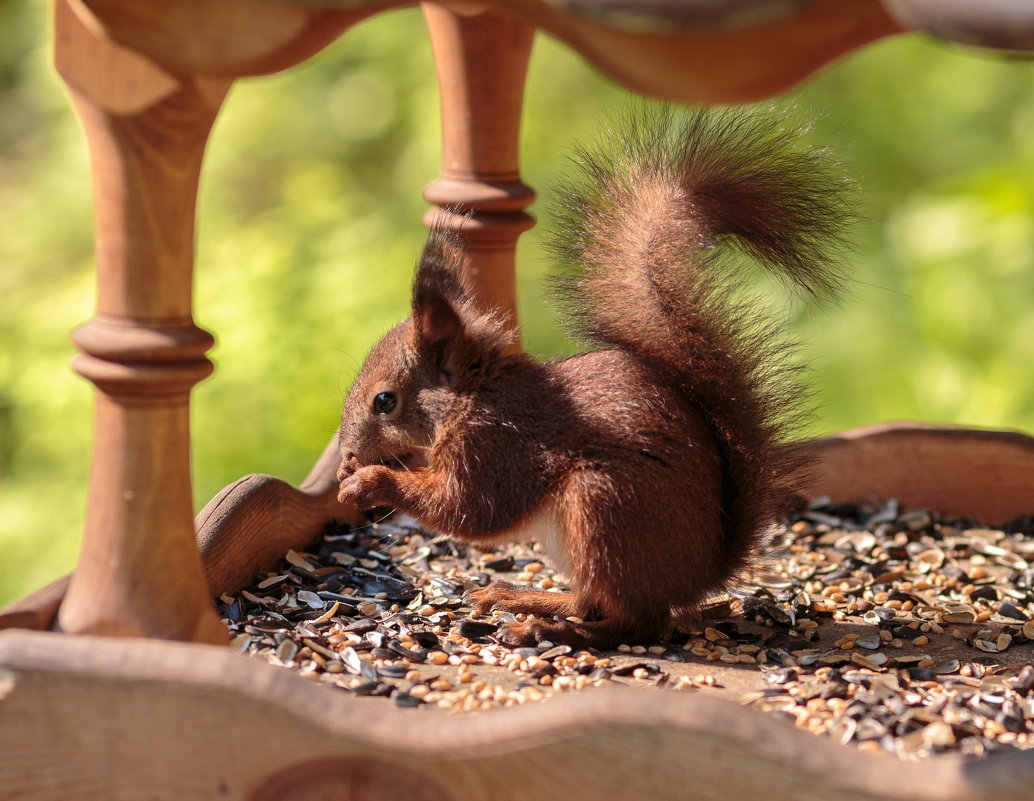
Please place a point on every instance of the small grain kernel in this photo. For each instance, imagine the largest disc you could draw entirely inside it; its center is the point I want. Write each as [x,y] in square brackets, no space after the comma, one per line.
[437,657]
[441,685]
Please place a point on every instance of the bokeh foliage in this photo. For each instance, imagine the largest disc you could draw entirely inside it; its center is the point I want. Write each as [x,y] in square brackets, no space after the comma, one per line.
[309,224]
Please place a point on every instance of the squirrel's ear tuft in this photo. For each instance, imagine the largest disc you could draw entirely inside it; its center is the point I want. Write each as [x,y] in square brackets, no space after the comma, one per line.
[438,294]
[446,318]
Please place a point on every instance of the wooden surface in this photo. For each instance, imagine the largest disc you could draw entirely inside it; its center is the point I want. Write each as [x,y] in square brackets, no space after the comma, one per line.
[242,531]
[230,38]
[147,82]
[138,571]
[37,611]
[999,24]
[113,719]
[482,61]
[251,524]
[986,475]
[757,61]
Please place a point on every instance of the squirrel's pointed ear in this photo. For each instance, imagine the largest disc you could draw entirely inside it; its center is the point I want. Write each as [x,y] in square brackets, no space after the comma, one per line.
[447,323]
[438,295]
[435,320]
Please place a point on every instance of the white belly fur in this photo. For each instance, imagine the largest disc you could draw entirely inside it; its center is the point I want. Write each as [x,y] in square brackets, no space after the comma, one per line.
[546,528]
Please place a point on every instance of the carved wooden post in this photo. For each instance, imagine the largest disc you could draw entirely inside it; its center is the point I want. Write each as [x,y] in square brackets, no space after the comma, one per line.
[139,572]
[482,61]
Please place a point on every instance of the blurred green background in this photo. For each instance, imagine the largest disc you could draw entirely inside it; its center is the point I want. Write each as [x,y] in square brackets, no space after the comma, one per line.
[309,225]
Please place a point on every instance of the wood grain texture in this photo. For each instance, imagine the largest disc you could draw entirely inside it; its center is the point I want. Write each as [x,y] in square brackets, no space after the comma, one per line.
[231,38]
[244,530]
[986,475]
[733,65]
[1000,24]
[139,571]
[248,527]
[89,718]
[482,61]
[37,611]
[673,14]
[715,53]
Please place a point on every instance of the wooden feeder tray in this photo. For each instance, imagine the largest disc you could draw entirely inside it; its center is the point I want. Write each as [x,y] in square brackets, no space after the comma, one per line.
[128,700]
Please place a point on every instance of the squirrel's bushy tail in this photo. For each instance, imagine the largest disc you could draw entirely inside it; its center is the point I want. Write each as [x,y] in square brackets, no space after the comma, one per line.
[641,230]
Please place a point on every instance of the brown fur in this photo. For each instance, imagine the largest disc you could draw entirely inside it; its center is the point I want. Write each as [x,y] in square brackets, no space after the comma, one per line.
[658,456]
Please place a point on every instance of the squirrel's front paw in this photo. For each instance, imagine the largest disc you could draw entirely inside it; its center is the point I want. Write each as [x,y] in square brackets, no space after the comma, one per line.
[366,487]
[347,468]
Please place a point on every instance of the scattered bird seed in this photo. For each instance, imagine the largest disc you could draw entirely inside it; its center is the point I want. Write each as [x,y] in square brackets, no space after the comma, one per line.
[898,630]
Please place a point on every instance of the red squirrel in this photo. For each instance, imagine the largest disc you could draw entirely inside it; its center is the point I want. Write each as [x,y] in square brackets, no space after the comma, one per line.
[651,466]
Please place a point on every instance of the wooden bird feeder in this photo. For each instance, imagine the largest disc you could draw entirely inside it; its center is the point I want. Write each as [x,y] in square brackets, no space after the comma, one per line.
[116,686]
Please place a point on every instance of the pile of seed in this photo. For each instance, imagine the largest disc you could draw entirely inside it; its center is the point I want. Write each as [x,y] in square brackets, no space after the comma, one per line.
[895,630]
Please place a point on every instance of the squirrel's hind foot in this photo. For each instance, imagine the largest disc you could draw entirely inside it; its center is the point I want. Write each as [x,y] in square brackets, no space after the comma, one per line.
[508,597]
[598,634]
[550,624]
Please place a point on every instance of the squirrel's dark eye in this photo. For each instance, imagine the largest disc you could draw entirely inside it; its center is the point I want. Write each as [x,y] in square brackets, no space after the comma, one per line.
[384,403]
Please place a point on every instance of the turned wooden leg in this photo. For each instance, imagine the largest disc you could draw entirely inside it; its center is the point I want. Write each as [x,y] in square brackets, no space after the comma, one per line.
[139,572]
[482,61]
